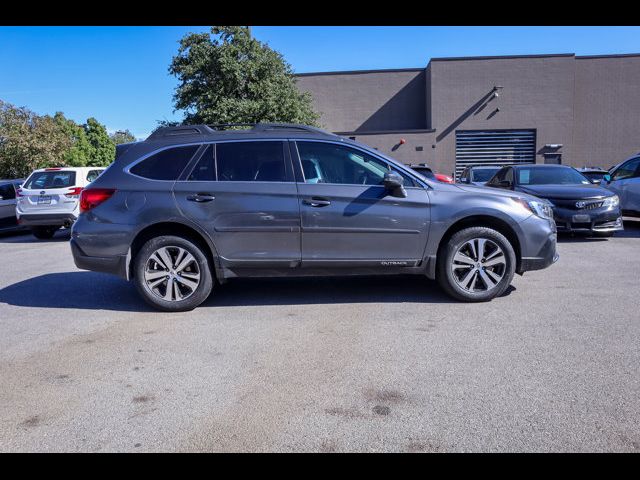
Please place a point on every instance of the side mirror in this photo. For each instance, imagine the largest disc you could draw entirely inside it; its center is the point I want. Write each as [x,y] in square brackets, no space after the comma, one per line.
[464,180]
[505,184]
[607,178]
[393,182]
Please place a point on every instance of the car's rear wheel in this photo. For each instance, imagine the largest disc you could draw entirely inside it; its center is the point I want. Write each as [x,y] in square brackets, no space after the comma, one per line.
[44,233]
[172,274]
[477,264]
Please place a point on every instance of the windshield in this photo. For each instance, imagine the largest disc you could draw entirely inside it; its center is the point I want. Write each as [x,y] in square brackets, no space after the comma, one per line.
[51,179]
[550,176]
[483,174]
[594,175]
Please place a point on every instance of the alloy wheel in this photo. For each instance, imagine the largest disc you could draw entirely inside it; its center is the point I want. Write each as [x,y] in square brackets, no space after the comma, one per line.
[172,273]
[478,265]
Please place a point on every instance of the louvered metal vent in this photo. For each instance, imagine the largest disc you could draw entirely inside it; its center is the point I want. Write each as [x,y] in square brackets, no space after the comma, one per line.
[494,147]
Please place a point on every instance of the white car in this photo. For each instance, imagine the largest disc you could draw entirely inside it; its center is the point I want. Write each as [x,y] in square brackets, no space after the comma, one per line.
[49,198]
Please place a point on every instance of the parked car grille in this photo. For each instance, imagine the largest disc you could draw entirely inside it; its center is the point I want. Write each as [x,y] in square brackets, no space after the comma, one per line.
[573,204]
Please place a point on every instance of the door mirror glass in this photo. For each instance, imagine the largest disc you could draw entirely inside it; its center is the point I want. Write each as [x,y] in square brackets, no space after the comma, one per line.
[607,178]
[393,182]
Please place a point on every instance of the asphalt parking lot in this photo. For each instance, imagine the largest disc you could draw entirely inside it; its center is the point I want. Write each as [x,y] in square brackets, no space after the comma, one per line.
[373,364]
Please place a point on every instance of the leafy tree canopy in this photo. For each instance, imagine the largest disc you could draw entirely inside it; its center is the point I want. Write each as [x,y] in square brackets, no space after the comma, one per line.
[29,141]
[226,76]
[122,136]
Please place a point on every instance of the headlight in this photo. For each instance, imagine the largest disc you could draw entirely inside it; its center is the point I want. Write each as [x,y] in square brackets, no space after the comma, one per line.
[540,208]
[611,202]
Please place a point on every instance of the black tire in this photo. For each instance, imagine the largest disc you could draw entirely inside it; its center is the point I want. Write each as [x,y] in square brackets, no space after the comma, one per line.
[445,274]
[44,233]
[153,298]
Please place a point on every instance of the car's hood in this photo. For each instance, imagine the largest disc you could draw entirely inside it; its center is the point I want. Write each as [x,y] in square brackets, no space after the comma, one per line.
[485,190]
[568,192]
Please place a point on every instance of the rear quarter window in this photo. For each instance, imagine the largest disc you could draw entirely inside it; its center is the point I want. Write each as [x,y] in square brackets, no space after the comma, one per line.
[165,165]
[93,174]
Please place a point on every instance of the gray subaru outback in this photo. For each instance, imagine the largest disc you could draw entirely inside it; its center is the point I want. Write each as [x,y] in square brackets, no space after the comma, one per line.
[194,206]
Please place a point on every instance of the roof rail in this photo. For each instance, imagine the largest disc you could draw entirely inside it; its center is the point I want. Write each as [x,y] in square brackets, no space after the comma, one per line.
[262,127]
[290,126]
[164,132]
[180,130]
[225,126]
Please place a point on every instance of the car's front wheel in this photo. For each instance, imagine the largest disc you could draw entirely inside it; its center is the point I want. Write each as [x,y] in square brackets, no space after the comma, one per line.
[172,274]
[44,233]
[477,264]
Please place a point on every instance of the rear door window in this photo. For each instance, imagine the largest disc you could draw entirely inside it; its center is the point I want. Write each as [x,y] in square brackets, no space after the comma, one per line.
[51,179]
[165,165]
[205,169]
[251,161]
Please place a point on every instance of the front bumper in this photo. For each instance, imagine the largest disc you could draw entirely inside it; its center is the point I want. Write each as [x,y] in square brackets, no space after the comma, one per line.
[46,219]
[588,221]
[545,257]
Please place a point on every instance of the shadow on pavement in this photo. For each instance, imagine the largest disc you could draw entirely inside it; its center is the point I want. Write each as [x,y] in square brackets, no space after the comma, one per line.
[324,290]
[25,236]
[96,291]
[82,290]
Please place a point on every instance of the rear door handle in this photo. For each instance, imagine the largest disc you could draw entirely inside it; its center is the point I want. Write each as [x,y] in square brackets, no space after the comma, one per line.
[201,197]
[316,201]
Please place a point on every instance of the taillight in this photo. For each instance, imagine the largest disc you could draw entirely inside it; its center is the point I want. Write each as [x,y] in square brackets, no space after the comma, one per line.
[74,192]
[443,178]
[92,197]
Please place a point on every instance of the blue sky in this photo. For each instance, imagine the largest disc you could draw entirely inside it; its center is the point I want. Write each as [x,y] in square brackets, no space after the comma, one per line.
[119,74]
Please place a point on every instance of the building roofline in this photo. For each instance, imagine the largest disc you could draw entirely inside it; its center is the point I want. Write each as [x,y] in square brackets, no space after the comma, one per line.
[612,55]
[454,59]
[358,72]
[501,57]
[385,132]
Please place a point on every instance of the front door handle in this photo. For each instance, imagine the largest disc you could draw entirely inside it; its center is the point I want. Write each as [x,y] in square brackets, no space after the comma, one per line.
[201,197]
[316,201]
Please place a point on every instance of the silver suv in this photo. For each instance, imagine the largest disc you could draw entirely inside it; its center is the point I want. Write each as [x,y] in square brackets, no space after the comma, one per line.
[194,205]
[624,180]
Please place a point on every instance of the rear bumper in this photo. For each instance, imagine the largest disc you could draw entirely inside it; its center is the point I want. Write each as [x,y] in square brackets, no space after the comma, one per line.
[115,265]
[46,219]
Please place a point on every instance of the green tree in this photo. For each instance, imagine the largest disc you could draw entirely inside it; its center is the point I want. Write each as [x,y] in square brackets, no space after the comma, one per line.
[122,136]
[29,141]
[103,150]
[79,154]
[227,76]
